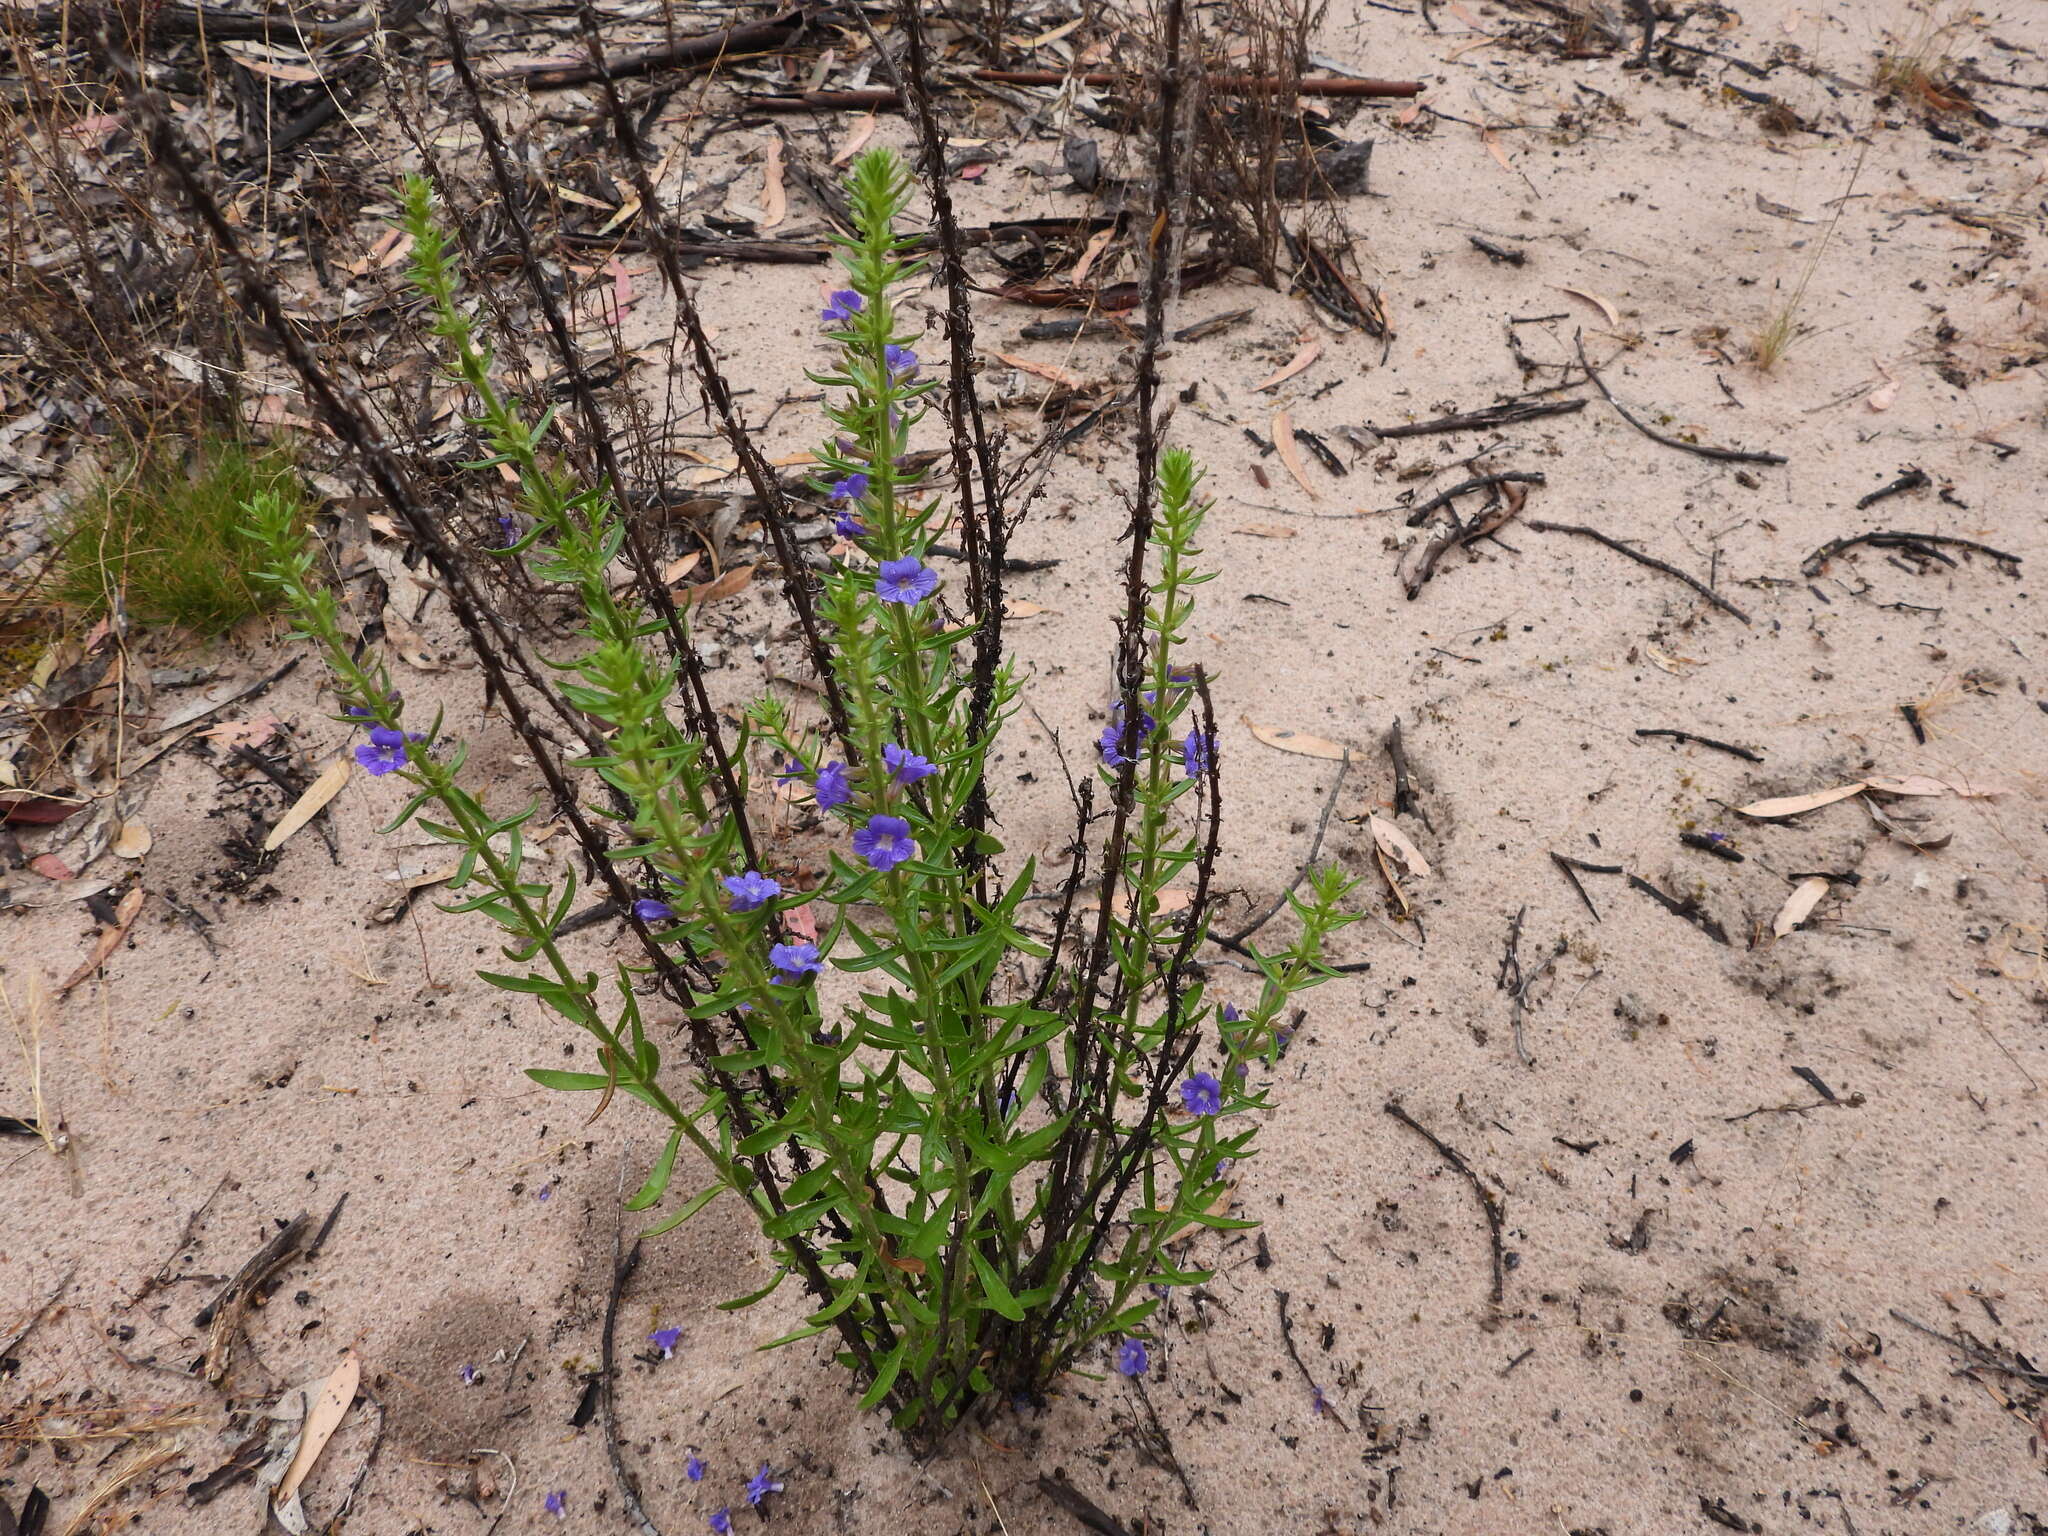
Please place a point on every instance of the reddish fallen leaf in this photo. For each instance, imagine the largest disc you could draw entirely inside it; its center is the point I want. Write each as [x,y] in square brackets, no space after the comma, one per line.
[38,811]
[733,581]
[50,867]
[109,940]
[1046,371]
[1308,352]
[1283,442]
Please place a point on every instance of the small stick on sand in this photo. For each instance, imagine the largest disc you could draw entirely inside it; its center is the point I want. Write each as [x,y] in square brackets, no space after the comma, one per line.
[1640,558]
[1702,450]
[1488,1200]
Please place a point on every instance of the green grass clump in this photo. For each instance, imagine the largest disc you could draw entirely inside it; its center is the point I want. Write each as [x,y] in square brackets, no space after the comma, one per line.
[162,530]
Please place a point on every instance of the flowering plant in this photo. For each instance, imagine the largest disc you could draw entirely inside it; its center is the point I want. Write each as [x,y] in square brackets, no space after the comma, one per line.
[978,1145]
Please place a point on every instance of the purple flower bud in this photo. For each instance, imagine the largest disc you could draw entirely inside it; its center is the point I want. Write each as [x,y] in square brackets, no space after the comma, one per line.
[557,1504]
[649,910]
[833,789]
[901,362]
[905,766]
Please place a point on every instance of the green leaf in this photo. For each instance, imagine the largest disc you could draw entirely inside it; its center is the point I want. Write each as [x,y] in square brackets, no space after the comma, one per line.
[657,1181]
[751,1297]
[999,1296]
[685,1211]
[567,1082]
[885,1376]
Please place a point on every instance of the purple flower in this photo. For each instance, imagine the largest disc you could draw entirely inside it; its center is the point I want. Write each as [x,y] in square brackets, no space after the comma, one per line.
[1118,743]
[842,306]
[847,526]
[508,527]
[471,1376]
[901,361]
[1131,1359]
[649,910]
[693,1469]
[905,766]
[760,1485]
[557,1504]
[356,711]
[884,842]
[750,891]
[833,790]
[793,769]
[384,752]
[1198,753]
[1231,1015]
[721,1521]
[850,487]
[1201,1094]
[545,1193]
[905,581]
[666,1340]
[793,962]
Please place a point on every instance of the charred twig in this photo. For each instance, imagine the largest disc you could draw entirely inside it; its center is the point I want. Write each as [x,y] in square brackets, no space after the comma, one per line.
[629,1496]
[1510,497]
[1405,798]
[225,1311]
[1080,1506]
[1323,1405]
[1912,479]
[1640,558]
[1706,842]
[1703,450]
[1493,416]
[1496,253]
[771,35]
[1703,741]
[1911,713]
[1689,909]
[1572,866]
[1488,1200]
[1978,1355]
[1218,85]
[1419,515]
[1891,538]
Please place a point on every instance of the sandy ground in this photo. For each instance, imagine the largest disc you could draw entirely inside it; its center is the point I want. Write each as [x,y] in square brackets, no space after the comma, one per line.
[1730,1171]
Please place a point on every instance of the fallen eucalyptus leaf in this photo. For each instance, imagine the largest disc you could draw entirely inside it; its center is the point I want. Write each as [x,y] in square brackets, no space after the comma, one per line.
[1799,905]
[1299,742]
[1793,805]
[310,804]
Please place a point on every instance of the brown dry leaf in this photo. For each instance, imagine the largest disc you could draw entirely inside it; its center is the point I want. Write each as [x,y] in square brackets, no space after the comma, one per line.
[1267,530]
[1799,905]
[253,732]
[1908,784]
[1097,244]
[329,1407]
[1283,443]
[408,644]
[1046,371]
[736,580]
[1393,884]
[1393,842]
[1493,147]
[132,841]
[1408,114]
[1603,305]
[1310,350]
[1667,662]
[1221,1207]
[50,867]
[251,58]
[774,201]
[908,1266]
[676,570]
[1297,742]
[1022,608]
[1793,805]
[109,940]
[856,141]
[1175,898]
[310,804]
[381,522]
